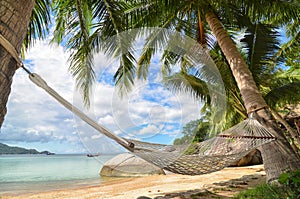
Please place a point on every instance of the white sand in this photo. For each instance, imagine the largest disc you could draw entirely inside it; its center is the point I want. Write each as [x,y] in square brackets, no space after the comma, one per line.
[169,186]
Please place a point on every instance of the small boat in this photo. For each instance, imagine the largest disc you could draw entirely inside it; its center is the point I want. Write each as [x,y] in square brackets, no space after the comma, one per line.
[92,155]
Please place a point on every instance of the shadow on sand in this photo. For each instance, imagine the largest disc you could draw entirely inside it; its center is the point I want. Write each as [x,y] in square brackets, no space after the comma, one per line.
[225,189]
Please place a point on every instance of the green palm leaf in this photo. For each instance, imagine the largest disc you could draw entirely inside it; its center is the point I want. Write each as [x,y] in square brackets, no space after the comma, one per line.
[86,27]
[189,84]
[74,27]
[284,95]
[39,24]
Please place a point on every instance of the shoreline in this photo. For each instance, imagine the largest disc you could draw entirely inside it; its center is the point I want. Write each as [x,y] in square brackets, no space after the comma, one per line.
[232,179]
[21,188]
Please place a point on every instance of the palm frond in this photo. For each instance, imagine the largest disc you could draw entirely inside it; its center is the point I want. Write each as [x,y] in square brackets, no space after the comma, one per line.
[117,41]
[125,74]
[86,27]
[292,74]
[289,51]
[65,20]
[156,41]
[271,11]
[262,45]
[258,44]
[39,23]
[189,84]
[73,28]
[170,59]
[283,95]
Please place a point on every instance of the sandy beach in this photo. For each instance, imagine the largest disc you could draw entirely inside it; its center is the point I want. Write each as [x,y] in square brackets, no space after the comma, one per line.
[221,184]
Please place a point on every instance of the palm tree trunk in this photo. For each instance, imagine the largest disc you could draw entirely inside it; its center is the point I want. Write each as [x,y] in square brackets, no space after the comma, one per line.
[14,20]
[297,124]
[278,156]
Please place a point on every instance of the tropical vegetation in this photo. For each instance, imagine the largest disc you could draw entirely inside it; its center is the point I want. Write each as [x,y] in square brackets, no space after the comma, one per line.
[251,72]
[275,81]
[182,15]
[194,131]
[288,187]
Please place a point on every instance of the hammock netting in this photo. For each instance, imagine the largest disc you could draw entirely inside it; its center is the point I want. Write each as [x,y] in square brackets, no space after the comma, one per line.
[211,155]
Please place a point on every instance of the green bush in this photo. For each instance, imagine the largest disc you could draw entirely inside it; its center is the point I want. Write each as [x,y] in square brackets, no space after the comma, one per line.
[291,183]
[289,188]
[263,191]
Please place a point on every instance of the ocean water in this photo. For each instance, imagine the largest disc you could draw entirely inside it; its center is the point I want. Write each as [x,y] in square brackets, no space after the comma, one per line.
[33,173]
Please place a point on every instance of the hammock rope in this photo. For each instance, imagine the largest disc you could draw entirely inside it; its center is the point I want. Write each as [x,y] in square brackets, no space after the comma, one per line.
[210,155]
[10,49]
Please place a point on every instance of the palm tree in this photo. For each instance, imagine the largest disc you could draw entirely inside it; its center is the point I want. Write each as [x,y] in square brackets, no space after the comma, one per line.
[276,84]
[278,156]
[20,20]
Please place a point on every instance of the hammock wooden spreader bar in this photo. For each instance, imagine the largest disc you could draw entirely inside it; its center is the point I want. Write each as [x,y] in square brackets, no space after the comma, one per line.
[245,136]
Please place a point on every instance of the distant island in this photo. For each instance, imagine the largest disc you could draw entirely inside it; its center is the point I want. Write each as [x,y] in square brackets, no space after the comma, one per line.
[5,149]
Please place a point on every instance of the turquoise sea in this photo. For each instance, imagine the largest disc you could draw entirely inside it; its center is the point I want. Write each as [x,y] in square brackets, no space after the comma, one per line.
[33,173]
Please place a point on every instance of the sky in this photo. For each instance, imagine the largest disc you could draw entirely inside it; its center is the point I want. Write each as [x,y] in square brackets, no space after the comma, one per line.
[35,120]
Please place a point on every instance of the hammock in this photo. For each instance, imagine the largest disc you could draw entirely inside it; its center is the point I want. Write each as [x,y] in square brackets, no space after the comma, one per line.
[211,155]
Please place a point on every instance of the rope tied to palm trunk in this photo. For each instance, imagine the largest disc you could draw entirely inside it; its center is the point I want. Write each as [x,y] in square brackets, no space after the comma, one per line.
[10,49]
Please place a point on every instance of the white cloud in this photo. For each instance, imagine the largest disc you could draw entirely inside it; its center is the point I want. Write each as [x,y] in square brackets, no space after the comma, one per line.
[33,116]
[148,109]
[148,131]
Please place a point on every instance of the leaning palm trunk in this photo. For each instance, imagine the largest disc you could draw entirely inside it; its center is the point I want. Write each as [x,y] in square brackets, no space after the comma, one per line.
[278,156]
[14,20]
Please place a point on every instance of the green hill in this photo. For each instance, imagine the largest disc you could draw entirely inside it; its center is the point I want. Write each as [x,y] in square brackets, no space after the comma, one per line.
[5,149]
